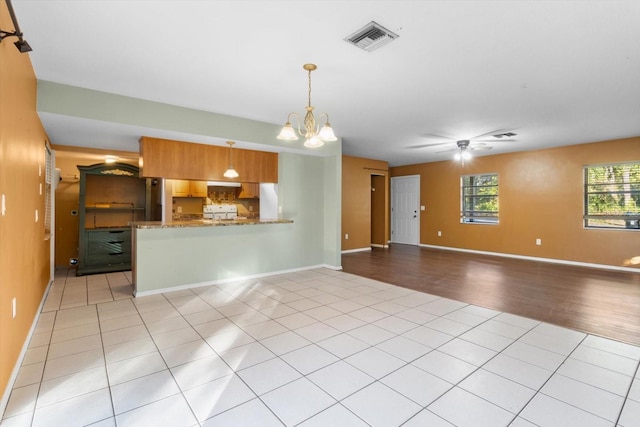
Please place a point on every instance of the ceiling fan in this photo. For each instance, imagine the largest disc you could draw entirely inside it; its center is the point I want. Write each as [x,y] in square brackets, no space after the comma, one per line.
[463,147]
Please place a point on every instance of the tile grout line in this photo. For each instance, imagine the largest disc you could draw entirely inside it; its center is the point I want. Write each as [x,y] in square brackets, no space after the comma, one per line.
[236,296]
[627,398]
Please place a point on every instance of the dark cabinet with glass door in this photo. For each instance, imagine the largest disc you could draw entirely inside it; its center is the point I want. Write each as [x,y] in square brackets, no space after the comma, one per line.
[111,197]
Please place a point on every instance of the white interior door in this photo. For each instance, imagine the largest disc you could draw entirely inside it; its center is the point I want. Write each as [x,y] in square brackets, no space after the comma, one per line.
[405,209]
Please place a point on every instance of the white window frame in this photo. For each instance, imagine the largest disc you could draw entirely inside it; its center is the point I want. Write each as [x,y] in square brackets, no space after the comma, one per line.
[468,212]
[626,217]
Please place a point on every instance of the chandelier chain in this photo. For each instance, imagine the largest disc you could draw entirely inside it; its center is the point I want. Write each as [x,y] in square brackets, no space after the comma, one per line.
[309,88]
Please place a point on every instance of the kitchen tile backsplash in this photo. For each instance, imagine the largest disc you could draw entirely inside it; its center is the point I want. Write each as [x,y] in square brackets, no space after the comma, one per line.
[188,208]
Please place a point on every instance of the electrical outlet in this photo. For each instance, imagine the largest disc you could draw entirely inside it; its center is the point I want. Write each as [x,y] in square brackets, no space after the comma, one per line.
[14,307]
[179,209]
[423,208]
[346,236]
[538,242]
[439,233]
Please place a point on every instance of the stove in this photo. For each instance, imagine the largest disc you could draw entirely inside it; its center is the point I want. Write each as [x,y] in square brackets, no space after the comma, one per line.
[220,211]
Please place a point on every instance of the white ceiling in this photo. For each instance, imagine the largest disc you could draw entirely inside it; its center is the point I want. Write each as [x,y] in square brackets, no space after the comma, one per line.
[554,72]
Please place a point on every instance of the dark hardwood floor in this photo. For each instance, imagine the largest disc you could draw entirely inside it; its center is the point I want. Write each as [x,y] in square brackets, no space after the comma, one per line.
[601,302]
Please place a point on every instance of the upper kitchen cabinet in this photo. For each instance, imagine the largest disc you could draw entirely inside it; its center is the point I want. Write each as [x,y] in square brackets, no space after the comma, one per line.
[201,162]
[185,188]
[249,190]
[111,197]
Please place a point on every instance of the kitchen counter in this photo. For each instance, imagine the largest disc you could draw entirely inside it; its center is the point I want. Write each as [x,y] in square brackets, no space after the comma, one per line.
[206,223]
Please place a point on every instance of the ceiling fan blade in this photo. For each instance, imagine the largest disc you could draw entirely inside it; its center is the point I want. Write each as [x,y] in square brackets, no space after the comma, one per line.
[451,150]
[493,132]
[436,144]
[492,141]
[436,136]
[480,148]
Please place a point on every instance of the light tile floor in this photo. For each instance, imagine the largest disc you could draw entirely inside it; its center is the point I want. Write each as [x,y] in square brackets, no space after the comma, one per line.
[313,348]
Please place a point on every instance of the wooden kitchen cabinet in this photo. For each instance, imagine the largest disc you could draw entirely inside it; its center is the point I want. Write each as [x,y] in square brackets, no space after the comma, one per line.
[186,188]
[111,197]
[249,190]
[201,162]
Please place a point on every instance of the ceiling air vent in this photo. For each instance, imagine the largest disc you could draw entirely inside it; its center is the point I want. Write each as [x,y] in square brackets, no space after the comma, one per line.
[371,36]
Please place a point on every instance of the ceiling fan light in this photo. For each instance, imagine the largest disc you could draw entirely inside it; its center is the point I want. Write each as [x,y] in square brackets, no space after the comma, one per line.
[287,133]
[465,155]
[326,133]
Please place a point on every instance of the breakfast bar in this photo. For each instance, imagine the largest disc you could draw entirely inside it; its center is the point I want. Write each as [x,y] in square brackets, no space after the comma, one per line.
[176,255]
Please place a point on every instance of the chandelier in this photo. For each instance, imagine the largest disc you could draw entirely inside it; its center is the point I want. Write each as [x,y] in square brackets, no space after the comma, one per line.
[314,135]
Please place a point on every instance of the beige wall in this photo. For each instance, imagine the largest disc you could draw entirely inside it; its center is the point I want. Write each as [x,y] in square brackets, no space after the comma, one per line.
[24,247]
[541,196]
[357,218]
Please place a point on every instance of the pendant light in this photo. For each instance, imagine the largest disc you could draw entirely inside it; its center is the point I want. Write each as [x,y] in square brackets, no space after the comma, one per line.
[230,172]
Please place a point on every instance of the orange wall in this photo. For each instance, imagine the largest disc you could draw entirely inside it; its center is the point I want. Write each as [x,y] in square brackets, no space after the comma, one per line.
[24,248]
[541,196]
[356,202]
[68,192]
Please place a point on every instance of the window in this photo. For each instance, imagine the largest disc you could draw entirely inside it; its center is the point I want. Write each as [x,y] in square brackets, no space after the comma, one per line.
[48,188]
[479,199]
[612,196]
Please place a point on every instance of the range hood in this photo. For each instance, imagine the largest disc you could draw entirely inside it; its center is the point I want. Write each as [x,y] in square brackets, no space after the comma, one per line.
[223,184]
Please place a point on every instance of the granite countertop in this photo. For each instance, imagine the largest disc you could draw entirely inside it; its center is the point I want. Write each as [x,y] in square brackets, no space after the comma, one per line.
[207,223]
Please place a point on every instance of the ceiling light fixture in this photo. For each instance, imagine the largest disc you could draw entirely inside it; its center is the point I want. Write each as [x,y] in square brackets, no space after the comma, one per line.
[463,153]
[231,172]
[21,44]
[315,136]
[110,159]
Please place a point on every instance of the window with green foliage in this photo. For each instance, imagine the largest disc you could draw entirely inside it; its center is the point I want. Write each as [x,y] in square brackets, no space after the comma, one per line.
[612,196]
[479,199]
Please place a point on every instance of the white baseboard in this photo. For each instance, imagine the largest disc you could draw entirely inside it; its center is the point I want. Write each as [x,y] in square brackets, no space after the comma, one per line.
[368,248]
[25,346]
[375,245]
[531,258]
